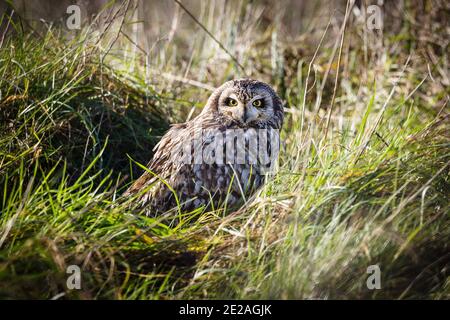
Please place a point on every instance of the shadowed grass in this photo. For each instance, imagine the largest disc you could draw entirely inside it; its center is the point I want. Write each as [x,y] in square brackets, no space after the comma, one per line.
[372,189]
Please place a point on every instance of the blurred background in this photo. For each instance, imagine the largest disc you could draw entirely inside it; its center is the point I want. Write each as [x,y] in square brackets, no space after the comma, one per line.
[364,167]
[173,36]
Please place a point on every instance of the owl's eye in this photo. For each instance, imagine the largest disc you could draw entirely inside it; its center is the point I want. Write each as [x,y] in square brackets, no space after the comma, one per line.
[257,103]
[232,102]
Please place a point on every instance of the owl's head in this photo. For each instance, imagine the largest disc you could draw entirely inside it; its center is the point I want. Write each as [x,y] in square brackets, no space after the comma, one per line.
[247,102]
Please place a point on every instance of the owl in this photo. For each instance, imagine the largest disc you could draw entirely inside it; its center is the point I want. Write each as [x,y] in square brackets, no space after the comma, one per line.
[218,159]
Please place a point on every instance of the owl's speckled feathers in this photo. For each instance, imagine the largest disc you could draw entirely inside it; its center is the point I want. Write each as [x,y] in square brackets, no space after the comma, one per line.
[245,107]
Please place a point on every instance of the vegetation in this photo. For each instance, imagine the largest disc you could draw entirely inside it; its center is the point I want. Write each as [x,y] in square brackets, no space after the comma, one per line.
[363,177]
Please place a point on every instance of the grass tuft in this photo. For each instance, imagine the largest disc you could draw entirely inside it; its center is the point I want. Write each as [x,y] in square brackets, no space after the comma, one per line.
[363,177]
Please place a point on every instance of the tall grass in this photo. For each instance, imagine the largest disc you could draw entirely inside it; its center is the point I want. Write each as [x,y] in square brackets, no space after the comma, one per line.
[366,184]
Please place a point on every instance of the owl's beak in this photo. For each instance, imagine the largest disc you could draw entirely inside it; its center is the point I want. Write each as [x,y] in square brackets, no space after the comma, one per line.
[248,115]
[241,115]
[245,115]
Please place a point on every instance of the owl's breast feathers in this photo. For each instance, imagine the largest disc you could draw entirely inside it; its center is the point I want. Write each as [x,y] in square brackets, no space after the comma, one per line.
[176,168]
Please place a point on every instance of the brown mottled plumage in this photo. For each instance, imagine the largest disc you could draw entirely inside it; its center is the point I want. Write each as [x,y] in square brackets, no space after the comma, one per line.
[242,107]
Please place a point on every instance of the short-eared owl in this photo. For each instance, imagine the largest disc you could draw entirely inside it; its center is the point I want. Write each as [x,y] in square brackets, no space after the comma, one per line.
[220,157]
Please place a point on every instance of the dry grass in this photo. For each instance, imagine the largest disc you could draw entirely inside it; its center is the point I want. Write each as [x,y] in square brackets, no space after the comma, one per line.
[363,174]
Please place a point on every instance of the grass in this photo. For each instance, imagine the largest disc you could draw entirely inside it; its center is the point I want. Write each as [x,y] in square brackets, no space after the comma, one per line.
[78,115]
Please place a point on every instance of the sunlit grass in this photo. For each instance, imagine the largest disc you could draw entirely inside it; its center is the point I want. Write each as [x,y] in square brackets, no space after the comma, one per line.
[76,129]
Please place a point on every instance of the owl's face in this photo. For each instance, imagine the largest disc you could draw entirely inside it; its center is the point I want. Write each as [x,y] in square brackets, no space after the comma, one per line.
[249,103]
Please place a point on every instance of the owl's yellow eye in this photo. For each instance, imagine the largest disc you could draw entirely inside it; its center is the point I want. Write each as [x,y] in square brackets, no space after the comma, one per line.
[232,102]
[257,103]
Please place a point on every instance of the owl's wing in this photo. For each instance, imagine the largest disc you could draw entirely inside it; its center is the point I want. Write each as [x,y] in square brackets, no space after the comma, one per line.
[162,163]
